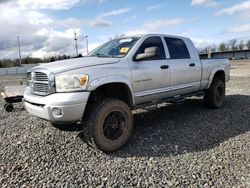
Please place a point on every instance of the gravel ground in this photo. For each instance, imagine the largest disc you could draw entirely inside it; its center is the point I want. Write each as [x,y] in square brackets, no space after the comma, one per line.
[182,145]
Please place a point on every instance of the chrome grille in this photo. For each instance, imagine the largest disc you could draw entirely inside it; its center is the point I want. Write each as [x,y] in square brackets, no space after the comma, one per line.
[40,76]
[39,82]
[41,87]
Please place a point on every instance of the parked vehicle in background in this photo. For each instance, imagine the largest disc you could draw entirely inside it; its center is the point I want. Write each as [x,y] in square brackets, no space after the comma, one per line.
[123,74]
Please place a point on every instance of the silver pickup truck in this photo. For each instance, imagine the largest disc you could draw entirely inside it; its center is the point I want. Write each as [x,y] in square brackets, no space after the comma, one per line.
[101,90]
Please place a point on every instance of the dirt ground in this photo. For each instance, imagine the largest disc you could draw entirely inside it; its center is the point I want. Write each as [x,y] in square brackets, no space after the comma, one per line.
[240,68]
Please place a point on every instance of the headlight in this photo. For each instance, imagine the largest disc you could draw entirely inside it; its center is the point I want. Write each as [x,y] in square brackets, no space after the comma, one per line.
[71,82]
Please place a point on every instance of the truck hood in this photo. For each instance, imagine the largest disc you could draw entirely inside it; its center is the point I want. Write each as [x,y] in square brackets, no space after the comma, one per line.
[71,64]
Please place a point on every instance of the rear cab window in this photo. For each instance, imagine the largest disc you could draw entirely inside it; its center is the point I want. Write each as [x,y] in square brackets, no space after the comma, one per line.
[177,48]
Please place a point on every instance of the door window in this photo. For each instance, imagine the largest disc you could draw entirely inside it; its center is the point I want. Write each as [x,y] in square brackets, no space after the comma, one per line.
[153,42]
[177,48]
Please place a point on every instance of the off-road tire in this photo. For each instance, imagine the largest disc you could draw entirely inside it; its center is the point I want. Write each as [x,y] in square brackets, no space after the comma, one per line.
[214,97]
[96,122]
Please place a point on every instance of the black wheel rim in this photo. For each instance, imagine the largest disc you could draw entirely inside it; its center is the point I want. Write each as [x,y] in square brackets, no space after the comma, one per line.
[219,95]
[113,126]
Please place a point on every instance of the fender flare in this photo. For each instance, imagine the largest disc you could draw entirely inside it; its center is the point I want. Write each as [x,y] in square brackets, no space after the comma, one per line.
[213,72]
[94,84]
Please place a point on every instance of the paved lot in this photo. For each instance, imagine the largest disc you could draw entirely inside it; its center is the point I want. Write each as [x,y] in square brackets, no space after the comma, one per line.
[182,145]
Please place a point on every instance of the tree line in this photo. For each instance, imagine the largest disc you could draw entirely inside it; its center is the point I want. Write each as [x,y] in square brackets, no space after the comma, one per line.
[231,45]
[33,60]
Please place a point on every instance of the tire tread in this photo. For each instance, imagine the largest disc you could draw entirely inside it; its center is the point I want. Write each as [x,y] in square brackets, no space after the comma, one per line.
[90,118]
[209,94]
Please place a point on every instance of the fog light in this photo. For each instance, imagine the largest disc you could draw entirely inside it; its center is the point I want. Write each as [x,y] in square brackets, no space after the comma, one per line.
[57,112]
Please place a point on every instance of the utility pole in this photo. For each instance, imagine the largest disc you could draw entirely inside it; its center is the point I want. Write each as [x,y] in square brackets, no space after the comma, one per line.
[87,44]
[19,50]
[76,44]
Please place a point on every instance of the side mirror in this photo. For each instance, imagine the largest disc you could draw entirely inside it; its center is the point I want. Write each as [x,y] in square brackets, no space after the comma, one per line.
[148,53]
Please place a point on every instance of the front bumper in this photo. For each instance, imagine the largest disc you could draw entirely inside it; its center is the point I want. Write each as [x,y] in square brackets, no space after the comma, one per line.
[57,107]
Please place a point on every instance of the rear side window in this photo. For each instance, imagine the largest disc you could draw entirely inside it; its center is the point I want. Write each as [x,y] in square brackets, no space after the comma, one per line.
[177,48]
[153,42]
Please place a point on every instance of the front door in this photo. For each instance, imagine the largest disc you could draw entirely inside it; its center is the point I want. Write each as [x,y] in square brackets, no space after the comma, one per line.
[151,77]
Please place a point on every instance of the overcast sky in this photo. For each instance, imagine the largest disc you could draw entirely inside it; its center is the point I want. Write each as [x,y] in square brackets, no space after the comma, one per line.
[46,27]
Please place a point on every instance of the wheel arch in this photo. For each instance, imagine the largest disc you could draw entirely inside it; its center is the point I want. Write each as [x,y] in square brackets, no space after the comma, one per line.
[112,86]
[217,72]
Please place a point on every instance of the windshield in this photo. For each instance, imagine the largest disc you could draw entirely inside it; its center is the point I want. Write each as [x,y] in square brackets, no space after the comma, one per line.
[115,48]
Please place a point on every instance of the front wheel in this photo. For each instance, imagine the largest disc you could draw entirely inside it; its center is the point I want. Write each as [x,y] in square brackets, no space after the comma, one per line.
[215,95]
[109,125]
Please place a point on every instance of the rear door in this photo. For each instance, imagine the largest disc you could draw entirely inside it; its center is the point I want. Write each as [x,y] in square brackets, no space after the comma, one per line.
[185,67]
[151,77]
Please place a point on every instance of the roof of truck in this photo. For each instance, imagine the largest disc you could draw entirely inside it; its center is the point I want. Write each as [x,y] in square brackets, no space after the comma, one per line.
[151,34]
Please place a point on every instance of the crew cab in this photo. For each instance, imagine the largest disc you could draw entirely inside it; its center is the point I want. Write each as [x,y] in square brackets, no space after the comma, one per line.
[101,89]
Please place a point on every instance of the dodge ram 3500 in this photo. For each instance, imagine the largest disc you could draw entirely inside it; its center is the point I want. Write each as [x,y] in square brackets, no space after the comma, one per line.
[101,89]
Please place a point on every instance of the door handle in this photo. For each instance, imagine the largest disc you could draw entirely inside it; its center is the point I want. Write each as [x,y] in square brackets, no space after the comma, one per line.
[164,67]
[192,64]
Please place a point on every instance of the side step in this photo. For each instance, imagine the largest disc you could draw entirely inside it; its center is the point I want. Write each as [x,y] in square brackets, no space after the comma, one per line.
[176,99]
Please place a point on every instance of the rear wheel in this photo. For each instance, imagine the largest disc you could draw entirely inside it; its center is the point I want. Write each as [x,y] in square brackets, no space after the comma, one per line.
[109,125]
[215,95]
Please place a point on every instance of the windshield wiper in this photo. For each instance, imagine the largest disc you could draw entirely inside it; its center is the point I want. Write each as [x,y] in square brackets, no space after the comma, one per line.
[100,55]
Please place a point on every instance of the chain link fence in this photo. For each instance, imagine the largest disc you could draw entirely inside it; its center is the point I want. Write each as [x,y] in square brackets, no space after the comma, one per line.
[17,70]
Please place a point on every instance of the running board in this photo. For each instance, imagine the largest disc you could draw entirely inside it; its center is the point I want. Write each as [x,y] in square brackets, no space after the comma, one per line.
[175,99]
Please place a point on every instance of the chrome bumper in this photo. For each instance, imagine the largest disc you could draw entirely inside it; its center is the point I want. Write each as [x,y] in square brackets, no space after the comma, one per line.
[57,107]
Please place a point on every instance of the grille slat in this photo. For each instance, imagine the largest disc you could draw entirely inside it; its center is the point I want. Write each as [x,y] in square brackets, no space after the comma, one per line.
[39,76]
[39,82]
[41,87]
